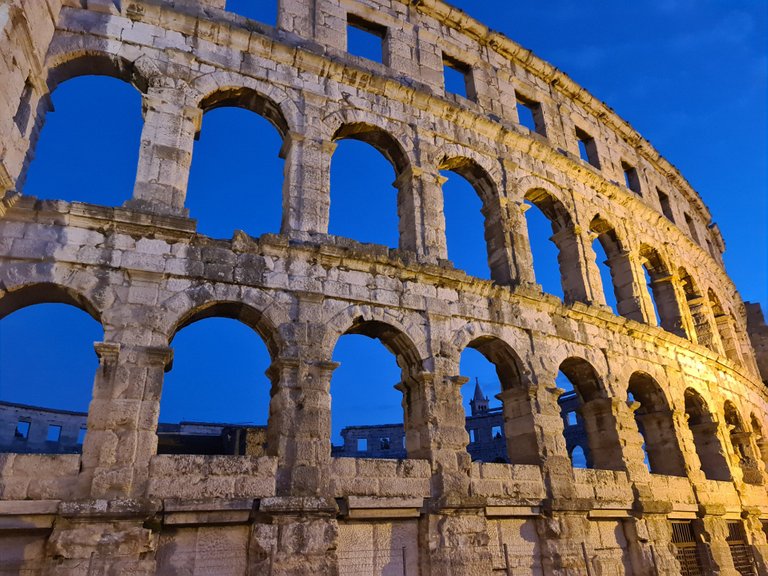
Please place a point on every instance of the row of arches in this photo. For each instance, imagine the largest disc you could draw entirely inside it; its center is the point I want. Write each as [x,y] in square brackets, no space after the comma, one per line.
[592,416]
[609,269]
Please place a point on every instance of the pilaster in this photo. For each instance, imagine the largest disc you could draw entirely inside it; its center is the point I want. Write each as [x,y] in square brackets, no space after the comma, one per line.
[165,156]
[122,419]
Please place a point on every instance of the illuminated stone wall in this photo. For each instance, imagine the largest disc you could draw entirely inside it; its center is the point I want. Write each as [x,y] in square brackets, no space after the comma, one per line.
[143,272]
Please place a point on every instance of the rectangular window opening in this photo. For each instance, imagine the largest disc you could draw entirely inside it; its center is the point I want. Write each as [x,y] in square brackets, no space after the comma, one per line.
[362,445]
[631,178]
[496,432]
[54,433]
[365,39]
[385,443]
[22,430]
[587,148]
[572,419]
[666,207]
[472,435]
[691,227]
[81,436]
[530,115]
[458,78]
[259,10]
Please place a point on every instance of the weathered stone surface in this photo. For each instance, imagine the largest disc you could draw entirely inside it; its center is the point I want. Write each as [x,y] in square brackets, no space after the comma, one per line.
[288,507]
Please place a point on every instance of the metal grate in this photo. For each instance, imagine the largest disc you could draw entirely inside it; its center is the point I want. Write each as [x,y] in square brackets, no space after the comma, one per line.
[741,551]
[682,533]
[686,551]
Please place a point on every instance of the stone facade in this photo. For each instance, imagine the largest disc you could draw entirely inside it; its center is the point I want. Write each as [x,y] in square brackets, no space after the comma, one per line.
[142,272]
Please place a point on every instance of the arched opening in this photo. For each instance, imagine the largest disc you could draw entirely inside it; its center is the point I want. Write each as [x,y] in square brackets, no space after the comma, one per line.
[703,426]
[374,418]
[725,327]
[741,444]
[88,149]
[236,176]
[553,245]
[497,432]
[588,418]
[216,397]
[473,226]
[368,195]
[661,291]
[654,422]
[615,268]
[47,367]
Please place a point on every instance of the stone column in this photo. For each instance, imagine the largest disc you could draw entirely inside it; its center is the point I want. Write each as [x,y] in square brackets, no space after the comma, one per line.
[712,528]
[294,537]
[522,259]
[306,185]
[728,337]
[601,417]
[454,529]
[594,279]
[122,419]
[648,541]
[646,312]
[667,303]
[756,535]
[628,287]
[299,429]
[662,444]
[706,334]
[499,241]
[167,140]
[99,537]
[420,210]
[576,276]
[688,447]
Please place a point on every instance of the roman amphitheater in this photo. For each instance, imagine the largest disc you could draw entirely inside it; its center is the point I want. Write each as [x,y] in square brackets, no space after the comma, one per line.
[669,392]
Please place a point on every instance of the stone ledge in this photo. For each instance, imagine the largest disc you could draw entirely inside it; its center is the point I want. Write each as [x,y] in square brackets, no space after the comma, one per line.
[604,513]
[501,511]
[110,509]
[356,507]
[27,514]
[297,504]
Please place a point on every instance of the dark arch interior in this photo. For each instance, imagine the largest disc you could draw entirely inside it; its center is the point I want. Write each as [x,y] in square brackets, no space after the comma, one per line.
[655,424]
[607,248]
[704,429]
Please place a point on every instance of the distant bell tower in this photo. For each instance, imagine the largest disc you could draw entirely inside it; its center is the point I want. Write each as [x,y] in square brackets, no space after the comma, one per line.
[479,403]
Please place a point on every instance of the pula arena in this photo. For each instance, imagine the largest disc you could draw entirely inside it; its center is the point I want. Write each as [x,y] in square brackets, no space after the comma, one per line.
[688,387]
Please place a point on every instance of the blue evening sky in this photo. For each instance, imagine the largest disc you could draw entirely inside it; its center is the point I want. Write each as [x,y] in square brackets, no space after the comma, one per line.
[689,75]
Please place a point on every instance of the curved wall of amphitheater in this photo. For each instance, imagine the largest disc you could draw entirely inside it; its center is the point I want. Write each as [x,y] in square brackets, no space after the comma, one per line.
[143,273]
